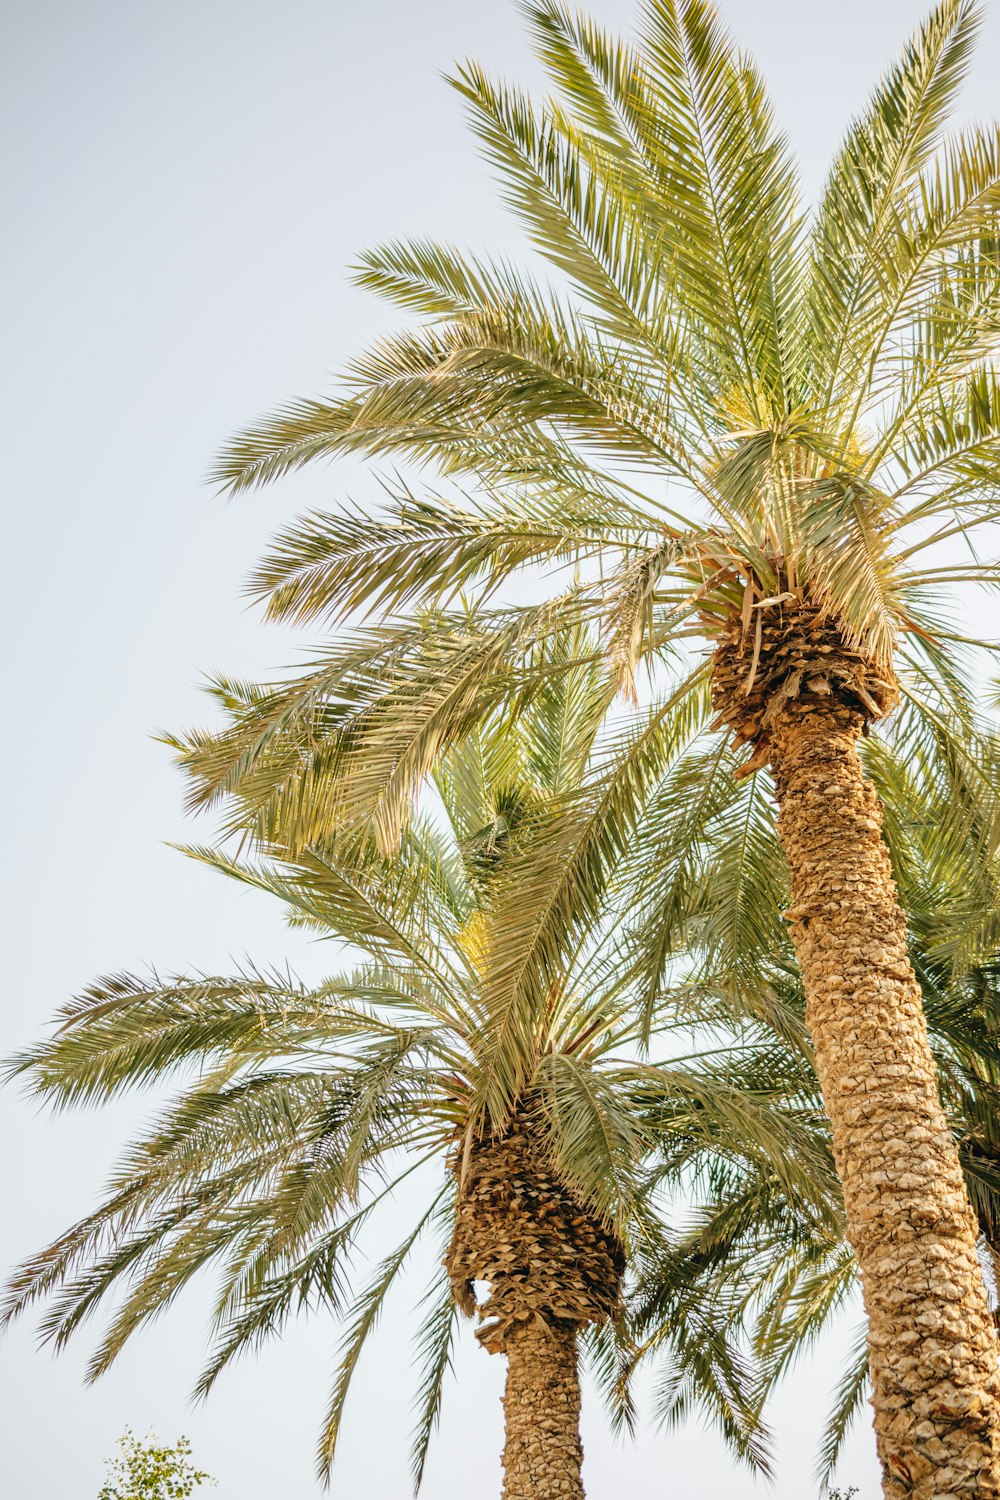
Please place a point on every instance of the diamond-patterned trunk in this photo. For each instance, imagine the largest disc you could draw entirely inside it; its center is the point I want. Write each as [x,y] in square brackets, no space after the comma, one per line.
[932,1344]
[543,1454]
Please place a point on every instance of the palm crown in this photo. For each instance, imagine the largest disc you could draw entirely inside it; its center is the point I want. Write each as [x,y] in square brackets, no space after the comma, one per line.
[821,387]
[544,1139]
[724,400]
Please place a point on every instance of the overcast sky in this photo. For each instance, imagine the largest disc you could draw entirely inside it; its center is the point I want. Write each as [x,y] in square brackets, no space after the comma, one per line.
[184,188]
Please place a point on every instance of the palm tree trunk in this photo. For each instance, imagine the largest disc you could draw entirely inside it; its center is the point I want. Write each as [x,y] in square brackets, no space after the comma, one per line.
[552,1266]
[542,1454]
[932,1343]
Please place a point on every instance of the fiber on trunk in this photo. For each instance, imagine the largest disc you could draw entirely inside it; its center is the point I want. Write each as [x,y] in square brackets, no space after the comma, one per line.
[520,1228]
[932,1345]
[542,1455]
[784,651]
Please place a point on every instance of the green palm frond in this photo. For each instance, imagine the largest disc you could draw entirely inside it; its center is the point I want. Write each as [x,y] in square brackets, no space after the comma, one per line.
[351,745]
[359,1329]
[596,1141]
[849,1397]
[435,1343]
[425,553]
[611,1357]
[300,1110]
[554,894]
[878,166]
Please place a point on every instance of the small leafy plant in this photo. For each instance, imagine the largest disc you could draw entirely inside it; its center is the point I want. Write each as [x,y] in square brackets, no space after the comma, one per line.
[150,1471]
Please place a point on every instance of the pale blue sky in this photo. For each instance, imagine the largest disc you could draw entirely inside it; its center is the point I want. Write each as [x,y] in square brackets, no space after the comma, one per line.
[184,186]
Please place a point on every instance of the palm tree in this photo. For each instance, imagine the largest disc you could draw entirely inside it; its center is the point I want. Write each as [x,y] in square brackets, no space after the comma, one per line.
[544,1140]
[775,1268]
[771,430]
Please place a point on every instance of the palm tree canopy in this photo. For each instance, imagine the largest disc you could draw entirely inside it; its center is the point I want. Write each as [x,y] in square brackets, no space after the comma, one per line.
[301,1110]
[714,401]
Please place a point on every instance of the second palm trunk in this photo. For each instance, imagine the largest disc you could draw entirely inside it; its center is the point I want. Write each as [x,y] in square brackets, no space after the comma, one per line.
[552,1265]
[543,1454]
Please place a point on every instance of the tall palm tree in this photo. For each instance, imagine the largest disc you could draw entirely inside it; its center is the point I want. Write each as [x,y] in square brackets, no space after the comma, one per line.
[543,1137]
[776,1269]
[774,431]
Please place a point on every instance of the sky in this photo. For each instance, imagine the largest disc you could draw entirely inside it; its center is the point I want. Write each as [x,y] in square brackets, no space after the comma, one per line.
[185,187]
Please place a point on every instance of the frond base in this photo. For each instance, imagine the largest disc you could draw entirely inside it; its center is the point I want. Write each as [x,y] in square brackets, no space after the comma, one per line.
[546,1255]
[787,657]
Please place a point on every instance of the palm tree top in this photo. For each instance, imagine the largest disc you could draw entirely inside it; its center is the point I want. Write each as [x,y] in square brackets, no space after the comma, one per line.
[740,397]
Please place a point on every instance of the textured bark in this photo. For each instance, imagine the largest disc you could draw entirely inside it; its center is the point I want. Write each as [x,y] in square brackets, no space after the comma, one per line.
[542,1454]
[552,1266]
[520,1228]
[793,688]
[932,1343]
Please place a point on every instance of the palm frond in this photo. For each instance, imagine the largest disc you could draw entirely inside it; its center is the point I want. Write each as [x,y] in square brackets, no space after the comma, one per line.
[367,1310]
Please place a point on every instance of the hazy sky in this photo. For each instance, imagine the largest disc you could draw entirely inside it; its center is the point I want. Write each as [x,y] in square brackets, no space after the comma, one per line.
[184,187]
